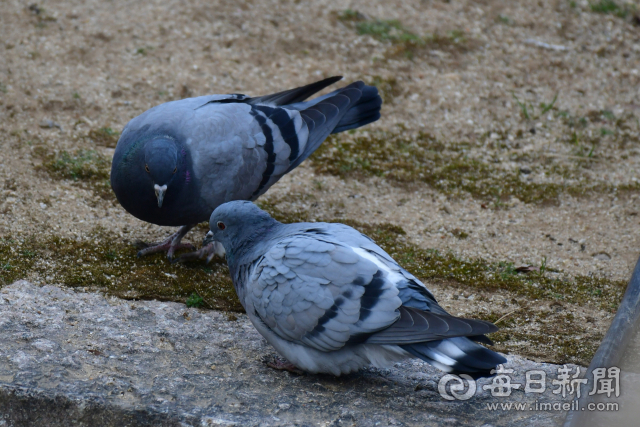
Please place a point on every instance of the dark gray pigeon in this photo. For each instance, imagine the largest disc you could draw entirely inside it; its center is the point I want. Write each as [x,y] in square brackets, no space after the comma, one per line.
[175,163]
[332,301]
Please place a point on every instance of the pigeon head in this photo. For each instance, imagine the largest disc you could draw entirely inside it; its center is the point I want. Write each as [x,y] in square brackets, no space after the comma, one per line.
[238,223]
[161,165]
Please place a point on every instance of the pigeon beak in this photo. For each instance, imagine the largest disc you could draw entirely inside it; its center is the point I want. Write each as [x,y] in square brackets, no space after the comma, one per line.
[160,193]
[208,239]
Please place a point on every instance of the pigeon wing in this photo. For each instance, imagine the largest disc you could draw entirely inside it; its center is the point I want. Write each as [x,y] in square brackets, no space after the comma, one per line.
[227,148]
[239,150]
[421,317]
[412,291]
[287,134]
[315,291]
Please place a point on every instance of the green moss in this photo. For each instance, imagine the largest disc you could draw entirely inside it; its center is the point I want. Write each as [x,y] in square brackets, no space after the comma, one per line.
[459,169]
[445,167]
[610,7]
[503,19]
[529,112]
[103,263]
[81,166]
[14,260]
[104,136]
[195,300]
[482,275]
[144,50]
[403,41]
[350,15]
[387,30]
[608,114]
[599,134]
[460,234]
[546,335]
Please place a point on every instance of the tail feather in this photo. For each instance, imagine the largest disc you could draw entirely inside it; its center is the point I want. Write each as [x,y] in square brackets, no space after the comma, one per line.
[292,96]
[347,108]
[366,110]
[417,326]
[322,117]
[456,355]
[363,112]
[481,338]
[352,106]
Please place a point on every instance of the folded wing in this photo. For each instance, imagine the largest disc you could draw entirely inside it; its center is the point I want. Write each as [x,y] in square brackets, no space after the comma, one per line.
[313,290]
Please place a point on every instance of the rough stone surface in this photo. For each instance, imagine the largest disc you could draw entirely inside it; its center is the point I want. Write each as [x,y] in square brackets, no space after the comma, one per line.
[82,359]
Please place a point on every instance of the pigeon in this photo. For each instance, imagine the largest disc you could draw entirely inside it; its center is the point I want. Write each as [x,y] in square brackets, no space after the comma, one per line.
[175,163]
[330,300]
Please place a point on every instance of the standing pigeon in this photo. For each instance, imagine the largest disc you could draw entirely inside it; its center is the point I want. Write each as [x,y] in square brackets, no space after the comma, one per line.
[332,301]
[175,163]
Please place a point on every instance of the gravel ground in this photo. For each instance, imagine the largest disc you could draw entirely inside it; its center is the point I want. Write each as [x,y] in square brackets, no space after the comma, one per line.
[479,77]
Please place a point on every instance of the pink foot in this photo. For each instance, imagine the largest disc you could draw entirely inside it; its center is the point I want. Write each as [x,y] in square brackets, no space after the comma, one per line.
[207,252]
[283,365]
[170,245]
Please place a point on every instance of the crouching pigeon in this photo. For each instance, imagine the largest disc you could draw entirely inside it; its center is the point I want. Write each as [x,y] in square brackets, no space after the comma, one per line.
[332,301]
[175,163]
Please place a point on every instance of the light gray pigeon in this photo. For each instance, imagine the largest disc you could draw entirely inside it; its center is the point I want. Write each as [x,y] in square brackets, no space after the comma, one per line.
[175,163]
[332,301]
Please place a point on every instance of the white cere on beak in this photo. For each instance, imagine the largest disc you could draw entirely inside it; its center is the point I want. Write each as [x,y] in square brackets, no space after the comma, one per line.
[160,190]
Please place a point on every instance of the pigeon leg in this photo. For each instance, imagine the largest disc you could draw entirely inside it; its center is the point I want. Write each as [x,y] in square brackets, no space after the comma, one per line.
[283,365]
[170,245]
[208,251]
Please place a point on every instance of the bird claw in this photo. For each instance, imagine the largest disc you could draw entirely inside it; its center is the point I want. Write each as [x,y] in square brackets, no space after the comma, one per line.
[170,245]
[207,252]
[152,248]
[283,365]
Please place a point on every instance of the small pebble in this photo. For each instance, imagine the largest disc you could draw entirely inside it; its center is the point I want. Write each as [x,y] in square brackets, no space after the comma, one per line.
[48,124]
[602,256]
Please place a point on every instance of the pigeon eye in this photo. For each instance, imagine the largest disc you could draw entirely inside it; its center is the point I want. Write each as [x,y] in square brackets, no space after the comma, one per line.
[175,170]
[221,225]
[146,167]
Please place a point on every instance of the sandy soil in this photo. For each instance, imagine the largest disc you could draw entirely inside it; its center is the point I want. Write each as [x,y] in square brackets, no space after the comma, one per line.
[71,68]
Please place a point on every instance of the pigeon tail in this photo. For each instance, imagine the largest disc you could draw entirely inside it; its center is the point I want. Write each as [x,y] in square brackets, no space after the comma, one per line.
[458,354]
[352,106]
[363,112]
[292,96]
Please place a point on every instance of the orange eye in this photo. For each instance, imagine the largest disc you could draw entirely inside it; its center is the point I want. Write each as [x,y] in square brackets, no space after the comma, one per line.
[221,225]
[146,167]
[175,170]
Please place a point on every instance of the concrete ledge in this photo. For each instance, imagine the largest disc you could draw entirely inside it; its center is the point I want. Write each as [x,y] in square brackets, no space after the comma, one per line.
[80,359]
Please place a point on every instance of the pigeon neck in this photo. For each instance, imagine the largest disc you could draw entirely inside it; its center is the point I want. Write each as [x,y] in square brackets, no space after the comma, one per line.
[244,245]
